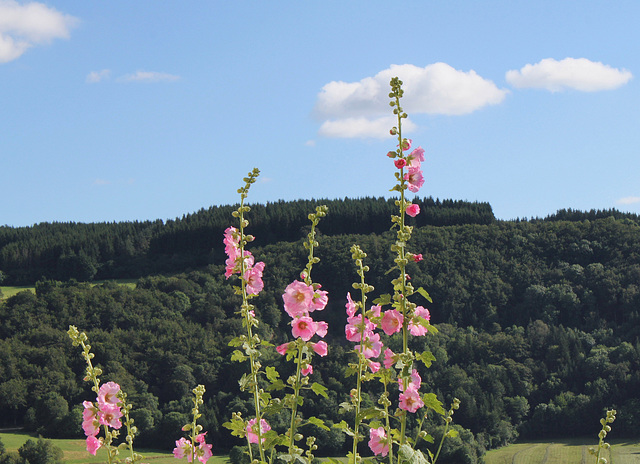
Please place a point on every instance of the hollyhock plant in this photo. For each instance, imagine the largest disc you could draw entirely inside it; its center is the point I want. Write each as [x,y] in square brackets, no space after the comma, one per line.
[253,278]
[417,326]
[414,178]
[410,399]
[416,157]
[252,432]
[413,210]
[378,442]
[108,393]
[303,327]
[93,444]
[298,298]
[392,322]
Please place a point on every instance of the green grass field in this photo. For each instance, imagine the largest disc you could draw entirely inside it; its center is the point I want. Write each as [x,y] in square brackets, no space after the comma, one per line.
[75,451]
[563,452]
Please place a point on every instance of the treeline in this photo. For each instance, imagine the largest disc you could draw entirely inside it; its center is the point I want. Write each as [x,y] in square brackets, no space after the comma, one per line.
[539,333]
[85,252]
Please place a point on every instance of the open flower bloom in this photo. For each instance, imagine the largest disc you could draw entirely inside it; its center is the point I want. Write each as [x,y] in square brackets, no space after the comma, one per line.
[90,411]
[110,415]
[252,430]
[420,315]
[415,179]
[306,370]
[183,449]
[350,306]
[303,327]
[282,349]
[93,444]
[378,441]
[413,210]
[413,381]
[371,347]
[392,321]
[416,157]
[410,399]
[108,394]
[297,298]
[354,329]
[390,358]
[253,279]
[319,300]
[321,348]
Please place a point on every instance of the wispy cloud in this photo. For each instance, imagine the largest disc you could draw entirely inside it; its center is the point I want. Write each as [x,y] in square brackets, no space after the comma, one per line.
[356,109]
[570,73]
[97,76]
[23,26]
[101,182]
[628,200]
[149,76]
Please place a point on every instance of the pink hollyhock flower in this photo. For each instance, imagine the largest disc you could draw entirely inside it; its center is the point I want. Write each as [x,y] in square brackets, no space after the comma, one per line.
[417,258]
[415,179]
[372,346]
[183,449]
[108,393]
[354,328]
[414,381]
[282,349]
[413,210]
[253,279]
[297,298]
[93,444]
[306,370]
[410,399]
[303,327]
[415,328]
[252,430]
[416,157]
[400,163]
[321,328]
[375,310]
[91,427]
[378,441]
[110,415]
[319,300]
[392,322]
[351,306]
[374,366]
[204,452]
[406,144]
[389,358]
[321,348]
[90,411]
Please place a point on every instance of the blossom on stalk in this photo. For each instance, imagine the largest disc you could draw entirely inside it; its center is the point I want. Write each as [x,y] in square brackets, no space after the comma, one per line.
[392,321]
[410,399]
[282,349]
[356,328]
[414,178]
[416,157]
[321,348]
[400,163]
[415,327]
[413,210]
[298,297]
[319,300]
[378,441]
[252,430]
[183,449]
[390,358]
[253,279]
[93,444]
[110,415]
[108,393]
[350,306]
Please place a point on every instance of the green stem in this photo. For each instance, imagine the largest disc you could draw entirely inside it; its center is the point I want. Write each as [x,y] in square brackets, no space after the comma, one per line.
[294,406]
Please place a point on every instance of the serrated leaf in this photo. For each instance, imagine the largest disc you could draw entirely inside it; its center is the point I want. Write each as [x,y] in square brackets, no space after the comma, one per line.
[425,294]
[452,433]
[277,385]
[411,456]
[235,342]
[238,356]
[272,374]
[382,300]
[318,423]
[427,358]
[319,389]
[432,402]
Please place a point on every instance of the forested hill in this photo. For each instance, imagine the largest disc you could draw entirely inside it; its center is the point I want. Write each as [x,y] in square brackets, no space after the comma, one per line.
[85,252]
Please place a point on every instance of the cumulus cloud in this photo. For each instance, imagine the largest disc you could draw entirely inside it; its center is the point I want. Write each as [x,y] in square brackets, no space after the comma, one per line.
[629,200]
[149,76]
[23,26]
[97,76]
[570,73]
[435,89]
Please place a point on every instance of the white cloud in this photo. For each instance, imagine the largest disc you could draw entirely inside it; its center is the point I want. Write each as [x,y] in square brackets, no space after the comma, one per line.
[570,73]
[23,26]
[628,200]
[149,76]
[97,76]
[435,89]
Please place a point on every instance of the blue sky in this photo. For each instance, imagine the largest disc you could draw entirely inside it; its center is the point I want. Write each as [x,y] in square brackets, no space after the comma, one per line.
[120,111]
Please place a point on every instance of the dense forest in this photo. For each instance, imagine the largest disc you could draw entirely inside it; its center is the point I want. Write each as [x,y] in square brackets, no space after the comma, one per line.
[539,320]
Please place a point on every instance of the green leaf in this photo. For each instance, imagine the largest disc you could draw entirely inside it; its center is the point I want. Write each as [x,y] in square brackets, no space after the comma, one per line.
[432,402]
[319,389]
[427,358]
[452,433]
[276,385]
[424,293]
[383,300]
[272,374]
[411,456]
[235,342]
[318,423]
[238,356]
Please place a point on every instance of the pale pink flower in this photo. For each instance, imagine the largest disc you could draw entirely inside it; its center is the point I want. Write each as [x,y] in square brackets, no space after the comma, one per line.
[282,349]
[374,366]
[351,306]
[414,179]
[108,393]
[183,449]
[91,427]
[321,328]
[378,441]
[375,310]
[389,358]
[204,452]
[253,279]
[413,210]
[321,348]
[414,381]
[306,370]
[201,437]
[410,399]
[415,328]
[252,430]
[392,321]
[354,328]
[416,157]
[90,411]
[297,298]
[303,327]
[93,444]
[110,415]
[319,300]
[372,346]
